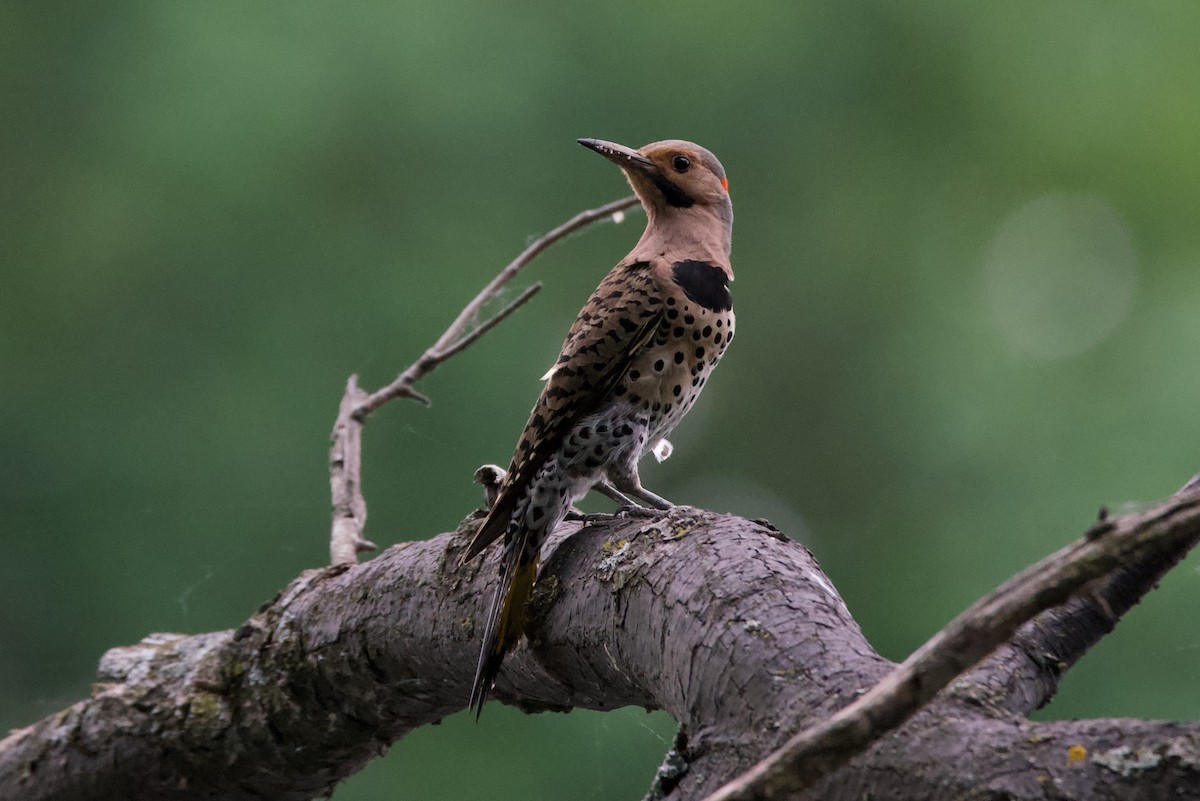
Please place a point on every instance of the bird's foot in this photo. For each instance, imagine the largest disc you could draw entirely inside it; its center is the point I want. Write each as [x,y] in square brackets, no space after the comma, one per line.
[594,517]
[632,511]
[627,511]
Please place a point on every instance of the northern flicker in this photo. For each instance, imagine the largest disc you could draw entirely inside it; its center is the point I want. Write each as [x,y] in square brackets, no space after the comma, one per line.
[631,367]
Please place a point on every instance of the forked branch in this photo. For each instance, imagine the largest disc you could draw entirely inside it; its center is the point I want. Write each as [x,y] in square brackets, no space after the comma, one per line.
[815,752]
[722,622]
[346,539]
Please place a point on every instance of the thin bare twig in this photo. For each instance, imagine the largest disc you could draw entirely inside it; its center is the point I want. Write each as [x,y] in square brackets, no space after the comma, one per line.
[500,317]
[1024,673]
[447,342]
[345,455]
[819,750]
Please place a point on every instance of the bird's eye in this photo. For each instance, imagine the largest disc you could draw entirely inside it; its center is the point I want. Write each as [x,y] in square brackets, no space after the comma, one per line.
[681,163]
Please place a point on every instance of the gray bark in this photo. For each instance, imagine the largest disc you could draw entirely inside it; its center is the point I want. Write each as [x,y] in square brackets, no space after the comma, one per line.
[723,622]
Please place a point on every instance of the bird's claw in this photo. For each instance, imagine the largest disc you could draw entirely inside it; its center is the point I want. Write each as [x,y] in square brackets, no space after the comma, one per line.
[623,512]
[630,511]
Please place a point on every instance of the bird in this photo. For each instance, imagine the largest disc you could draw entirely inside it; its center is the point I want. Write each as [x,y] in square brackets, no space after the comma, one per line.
[631,366]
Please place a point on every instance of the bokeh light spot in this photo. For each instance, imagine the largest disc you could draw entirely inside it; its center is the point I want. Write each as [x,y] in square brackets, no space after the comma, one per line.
[1059,275]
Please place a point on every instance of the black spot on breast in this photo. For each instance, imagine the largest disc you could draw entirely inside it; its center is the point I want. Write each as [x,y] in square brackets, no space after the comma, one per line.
[699,353]
[678,332]
[704,283]
[679,357]
[688,319]
[717,338]
[676,390]
[672,314]
[707,331]
[658,366]
[634,375]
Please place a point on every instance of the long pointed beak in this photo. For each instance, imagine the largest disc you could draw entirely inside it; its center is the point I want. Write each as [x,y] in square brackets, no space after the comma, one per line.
[624,157]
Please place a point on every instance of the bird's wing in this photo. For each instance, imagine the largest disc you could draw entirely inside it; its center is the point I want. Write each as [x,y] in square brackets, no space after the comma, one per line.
[612,327]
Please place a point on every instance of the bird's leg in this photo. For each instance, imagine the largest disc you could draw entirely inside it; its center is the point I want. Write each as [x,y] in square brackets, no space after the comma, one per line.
[631,485]
[606,488]
[625,504]
[656,501]
[628,507]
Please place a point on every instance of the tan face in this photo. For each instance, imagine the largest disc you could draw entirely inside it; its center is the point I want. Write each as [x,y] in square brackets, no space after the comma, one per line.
[672,174]
[688,168]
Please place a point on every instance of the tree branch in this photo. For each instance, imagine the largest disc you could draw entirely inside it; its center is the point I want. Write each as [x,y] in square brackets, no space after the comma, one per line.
[1168,530]
[728,626]
[1023,674]
[349,507]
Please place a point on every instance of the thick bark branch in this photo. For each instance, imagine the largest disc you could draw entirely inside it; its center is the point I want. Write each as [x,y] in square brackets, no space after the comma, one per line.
[724,623]
[1167,531]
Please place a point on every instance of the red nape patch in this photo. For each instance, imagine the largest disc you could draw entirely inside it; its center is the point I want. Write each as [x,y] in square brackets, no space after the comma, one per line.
[725,184]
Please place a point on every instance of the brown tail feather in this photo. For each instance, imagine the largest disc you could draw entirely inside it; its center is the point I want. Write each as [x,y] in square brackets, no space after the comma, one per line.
[493,525]
[507,618]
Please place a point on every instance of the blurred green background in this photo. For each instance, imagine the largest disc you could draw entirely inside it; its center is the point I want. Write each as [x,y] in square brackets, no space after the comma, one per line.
[966,249]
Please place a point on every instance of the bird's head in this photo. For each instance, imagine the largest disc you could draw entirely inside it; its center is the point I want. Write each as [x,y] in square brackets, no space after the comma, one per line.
[671,177]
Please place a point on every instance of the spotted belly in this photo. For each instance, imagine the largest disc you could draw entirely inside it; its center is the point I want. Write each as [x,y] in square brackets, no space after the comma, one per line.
[656,392]
[665,380]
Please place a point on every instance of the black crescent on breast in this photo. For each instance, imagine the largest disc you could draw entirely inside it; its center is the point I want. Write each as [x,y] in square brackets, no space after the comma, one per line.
[703,283]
